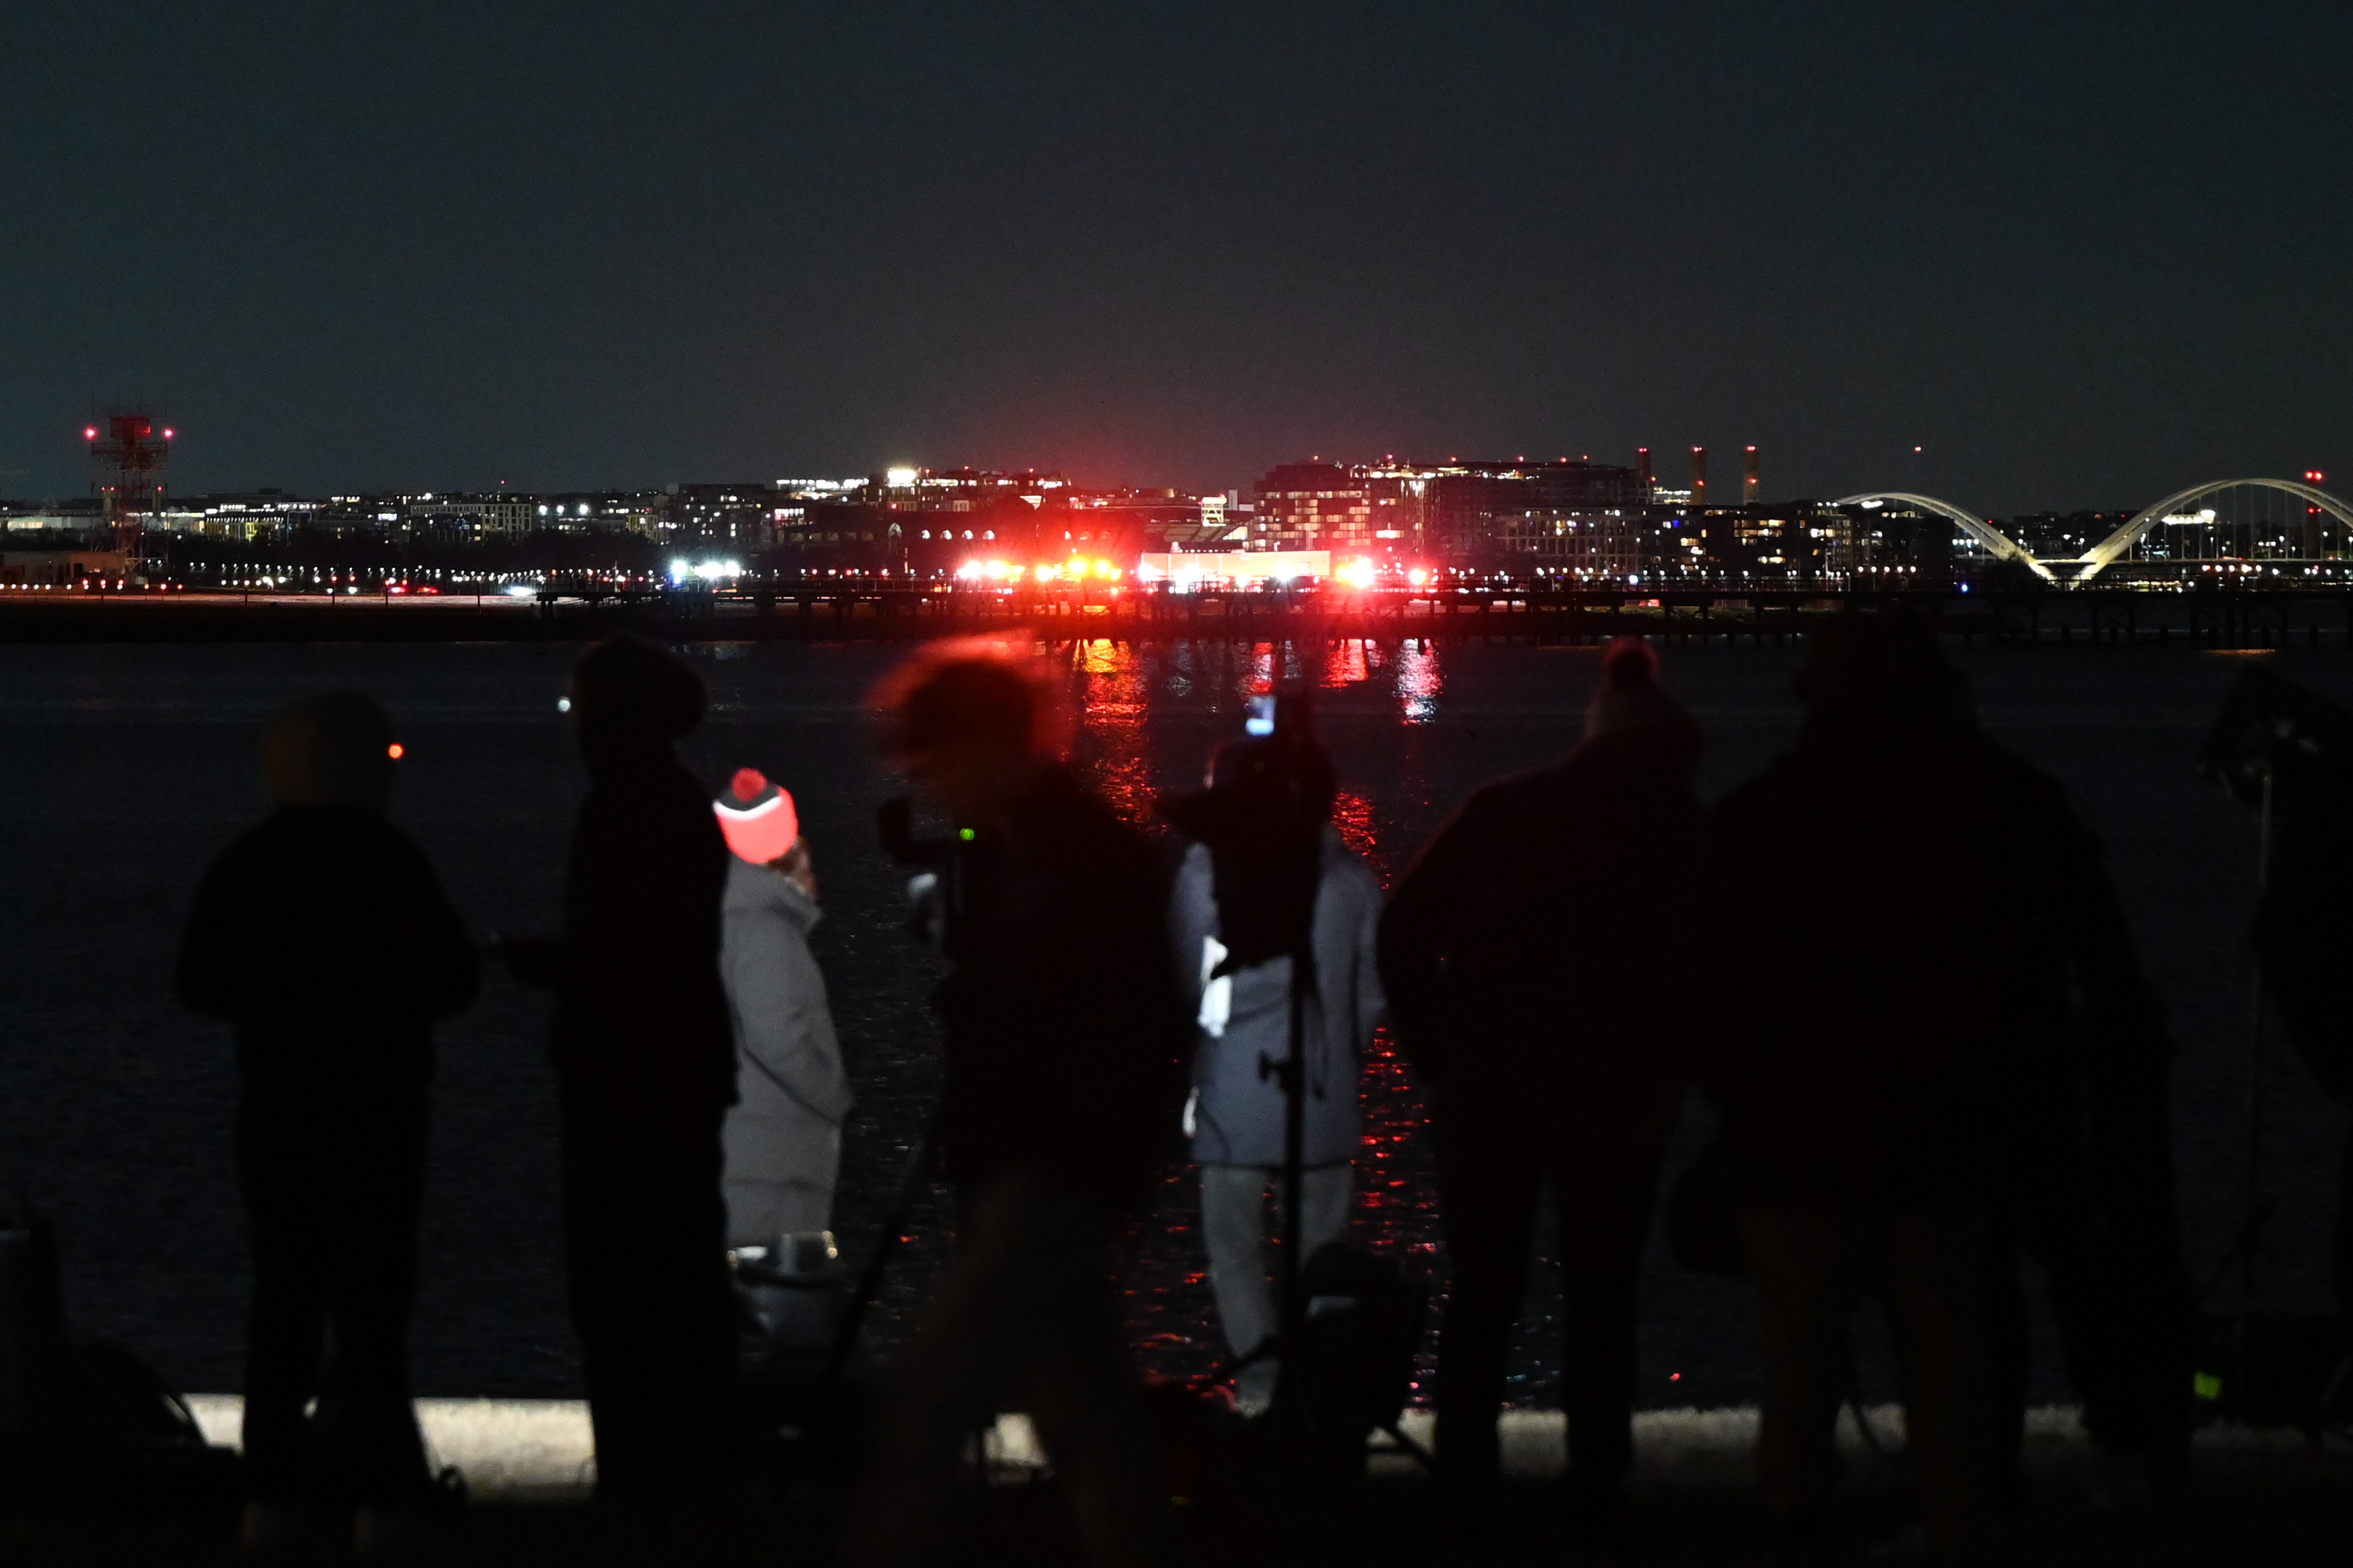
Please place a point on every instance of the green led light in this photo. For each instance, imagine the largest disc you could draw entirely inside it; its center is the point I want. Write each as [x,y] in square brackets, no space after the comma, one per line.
[2206,1386]
[966,834]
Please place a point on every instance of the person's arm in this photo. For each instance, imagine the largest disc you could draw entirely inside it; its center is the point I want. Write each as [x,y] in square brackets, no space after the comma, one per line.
[1192,919]
[445,972]
[2123,1019]
[1416,940]
[783,1030]
[2127,1052]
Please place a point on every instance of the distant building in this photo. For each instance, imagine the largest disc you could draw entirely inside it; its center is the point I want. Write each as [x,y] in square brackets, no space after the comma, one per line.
[1325,506]
[1897,546]
[1454,513]
[472,516]
[745,516]
[1580,548]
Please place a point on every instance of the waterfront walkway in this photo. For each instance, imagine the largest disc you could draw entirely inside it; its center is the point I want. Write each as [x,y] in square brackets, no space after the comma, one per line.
[2261,1498]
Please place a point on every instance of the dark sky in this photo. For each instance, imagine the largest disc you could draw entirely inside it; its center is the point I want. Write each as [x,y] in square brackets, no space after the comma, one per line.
[2079,253]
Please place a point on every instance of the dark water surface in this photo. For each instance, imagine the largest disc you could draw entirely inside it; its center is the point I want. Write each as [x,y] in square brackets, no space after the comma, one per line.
[123,769]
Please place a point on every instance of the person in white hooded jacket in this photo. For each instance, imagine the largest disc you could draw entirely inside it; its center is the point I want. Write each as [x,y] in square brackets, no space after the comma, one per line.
[783,1136]
[1236,1116]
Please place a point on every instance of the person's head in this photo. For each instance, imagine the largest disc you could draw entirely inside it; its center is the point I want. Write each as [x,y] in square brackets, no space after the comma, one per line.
[1879,674]
[328,748]
[1291,773]
[1631,705]
[630,699]
[969,725]
[757,817]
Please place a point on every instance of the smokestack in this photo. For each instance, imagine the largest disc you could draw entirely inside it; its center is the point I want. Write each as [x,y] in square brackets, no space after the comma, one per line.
[1749,479]
[1699,477]
[1642,475]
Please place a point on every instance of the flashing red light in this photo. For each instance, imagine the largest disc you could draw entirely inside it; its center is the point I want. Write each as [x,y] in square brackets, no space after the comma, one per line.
[396,751]
[89,433]
[168,435]
[2312,475]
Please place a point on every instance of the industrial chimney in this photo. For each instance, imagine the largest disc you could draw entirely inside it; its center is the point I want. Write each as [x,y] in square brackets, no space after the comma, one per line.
[1749,479]
[1699,478]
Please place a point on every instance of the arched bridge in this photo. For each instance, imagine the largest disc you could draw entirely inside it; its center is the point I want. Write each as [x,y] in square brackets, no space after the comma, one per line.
[2107,552]
[1997,544]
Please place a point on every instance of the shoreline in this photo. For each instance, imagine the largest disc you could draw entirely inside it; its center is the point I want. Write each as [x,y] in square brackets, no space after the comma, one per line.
[2226,619]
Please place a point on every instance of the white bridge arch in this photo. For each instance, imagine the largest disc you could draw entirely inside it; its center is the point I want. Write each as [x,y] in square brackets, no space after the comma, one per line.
[2110,549]
[1997,544]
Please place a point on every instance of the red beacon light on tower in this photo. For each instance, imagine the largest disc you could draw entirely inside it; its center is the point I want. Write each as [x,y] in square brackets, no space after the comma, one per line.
[2312,475]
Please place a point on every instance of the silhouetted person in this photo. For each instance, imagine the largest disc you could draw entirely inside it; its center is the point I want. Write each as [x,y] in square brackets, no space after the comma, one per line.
[646,1069]
[1533,956]
[1933,1032]
[1062,1038]
[324,936]
[784,1136]
[2302,924]
[1243,1018]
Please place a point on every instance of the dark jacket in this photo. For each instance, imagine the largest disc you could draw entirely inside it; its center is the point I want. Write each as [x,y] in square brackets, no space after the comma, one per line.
[1927,984]
[1532,954]
[1063,1033]
[641,1023]
[325,937]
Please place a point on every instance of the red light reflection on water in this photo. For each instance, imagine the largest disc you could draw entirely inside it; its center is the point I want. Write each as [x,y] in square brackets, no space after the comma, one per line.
[1111,689]
[1345,663]
[1419,682]
[1352,814]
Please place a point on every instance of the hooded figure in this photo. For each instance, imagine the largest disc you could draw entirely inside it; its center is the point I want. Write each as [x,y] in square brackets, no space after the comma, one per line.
[645,1060]
[1242,1004]
[783,1136]
[1529,957]
[325,937]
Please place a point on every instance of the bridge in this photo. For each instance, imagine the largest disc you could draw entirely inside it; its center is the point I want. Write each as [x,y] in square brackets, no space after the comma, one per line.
[2247,538]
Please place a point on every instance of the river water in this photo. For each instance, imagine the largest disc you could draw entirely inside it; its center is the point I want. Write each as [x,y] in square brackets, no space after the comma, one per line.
[123,769]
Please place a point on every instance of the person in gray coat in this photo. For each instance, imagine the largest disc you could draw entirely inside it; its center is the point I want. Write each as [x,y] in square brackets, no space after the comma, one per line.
[1235,1117]
[783,1136]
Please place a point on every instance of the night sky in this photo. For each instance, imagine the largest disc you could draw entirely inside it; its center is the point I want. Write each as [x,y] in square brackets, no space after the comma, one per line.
[2080,254]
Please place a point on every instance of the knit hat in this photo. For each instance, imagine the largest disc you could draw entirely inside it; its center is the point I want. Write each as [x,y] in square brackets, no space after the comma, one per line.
[757,817]
[1630,697]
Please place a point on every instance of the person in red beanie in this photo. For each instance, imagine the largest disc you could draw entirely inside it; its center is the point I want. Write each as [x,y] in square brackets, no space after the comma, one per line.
[783,1136]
